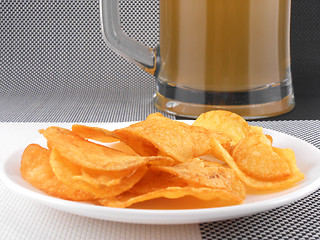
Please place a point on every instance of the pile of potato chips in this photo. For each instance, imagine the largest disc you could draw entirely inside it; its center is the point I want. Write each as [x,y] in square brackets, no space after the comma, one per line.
[217,158]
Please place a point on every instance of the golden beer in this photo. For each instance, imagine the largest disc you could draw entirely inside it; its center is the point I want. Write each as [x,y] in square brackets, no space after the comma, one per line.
[224,47]
[214,54]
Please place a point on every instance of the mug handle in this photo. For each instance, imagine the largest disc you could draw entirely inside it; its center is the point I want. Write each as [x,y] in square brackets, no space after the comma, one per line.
[143,56]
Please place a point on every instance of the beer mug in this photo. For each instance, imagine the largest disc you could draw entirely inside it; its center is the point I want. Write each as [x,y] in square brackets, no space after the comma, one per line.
[214,54]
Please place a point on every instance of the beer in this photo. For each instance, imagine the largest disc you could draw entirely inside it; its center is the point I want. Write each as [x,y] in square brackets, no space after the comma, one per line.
[214,54]
[224,45]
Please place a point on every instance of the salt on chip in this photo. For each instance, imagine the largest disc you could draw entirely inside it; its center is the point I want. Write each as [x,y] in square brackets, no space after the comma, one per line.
[158,135]
[226,122]
[35,169]
[91,155]
[157,183]
[295,176]
[104,184]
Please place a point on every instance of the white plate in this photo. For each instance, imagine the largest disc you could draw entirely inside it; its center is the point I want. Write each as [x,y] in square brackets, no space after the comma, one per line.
[308,161]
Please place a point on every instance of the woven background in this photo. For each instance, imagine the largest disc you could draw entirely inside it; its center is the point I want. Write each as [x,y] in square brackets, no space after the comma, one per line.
[53,58]
[305,46]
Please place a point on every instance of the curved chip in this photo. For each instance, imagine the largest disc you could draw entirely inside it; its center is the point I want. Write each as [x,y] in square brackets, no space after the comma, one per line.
[94,133]
[255,157]
[101,185]
[172,193]
[201,173]
[230,124]
[295,176]
[35,168]
[289,156]
[91,155]
[156,183]
[158,135]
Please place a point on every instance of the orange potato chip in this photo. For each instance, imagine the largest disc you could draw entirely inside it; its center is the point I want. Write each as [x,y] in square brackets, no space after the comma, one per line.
[205,194]
[101,185]
[156,184]
[201,173]
[173,162]
[255,157]
[222,138]
[295,176]
[91,155]
[229,123]
[101,178]
[289,156]
[260,130]
[270,138]
[94,133]
[158,135]
[35,169]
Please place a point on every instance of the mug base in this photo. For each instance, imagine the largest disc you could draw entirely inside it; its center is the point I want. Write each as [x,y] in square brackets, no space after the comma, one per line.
[247,111]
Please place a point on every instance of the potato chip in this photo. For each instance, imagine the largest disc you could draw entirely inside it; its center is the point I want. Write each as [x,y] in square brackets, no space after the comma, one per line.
[289,156]
[226,122]
[156,184]
[295,176]
[197,172]
[211,163]
[91,155]
[184,202]
[35,169]
[103,136]
[100,178]
[255,157]
[223,139]
[269,137]
[205,194]
[260,130]
[94,133]
[101,185]
[158,135]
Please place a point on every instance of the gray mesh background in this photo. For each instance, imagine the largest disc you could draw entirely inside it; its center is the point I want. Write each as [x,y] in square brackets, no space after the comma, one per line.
[55,65]
[54,45]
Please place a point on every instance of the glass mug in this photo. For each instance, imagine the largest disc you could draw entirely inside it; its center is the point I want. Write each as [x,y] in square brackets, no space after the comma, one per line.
[214,54]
